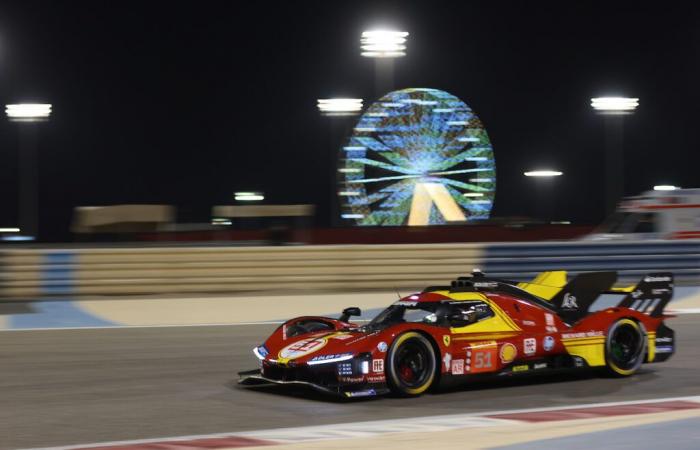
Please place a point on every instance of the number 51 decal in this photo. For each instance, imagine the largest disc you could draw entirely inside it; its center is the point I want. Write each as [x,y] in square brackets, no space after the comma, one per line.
[481,357]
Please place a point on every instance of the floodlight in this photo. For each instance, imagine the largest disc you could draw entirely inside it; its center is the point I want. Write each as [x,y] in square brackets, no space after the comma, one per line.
[665,187]
[339,106]
[543,173]
[248,196]
[28,112]
[614,105]
[383,43]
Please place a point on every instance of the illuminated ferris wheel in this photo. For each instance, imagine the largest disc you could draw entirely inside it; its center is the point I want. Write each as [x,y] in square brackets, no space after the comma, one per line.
[417,157]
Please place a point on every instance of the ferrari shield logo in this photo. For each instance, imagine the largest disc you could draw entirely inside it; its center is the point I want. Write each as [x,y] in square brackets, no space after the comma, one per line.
[446,340]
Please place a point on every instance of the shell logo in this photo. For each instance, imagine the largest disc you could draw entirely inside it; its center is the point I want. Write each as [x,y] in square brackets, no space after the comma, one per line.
[508,353]
[302,348]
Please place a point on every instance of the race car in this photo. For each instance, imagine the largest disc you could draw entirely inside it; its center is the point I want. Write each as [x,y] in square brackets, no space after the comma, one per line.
[475,328]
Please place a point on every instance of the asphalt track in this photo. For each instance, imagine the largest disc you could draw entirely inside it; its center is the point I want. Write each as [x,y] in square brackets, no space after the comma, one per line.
[68,387]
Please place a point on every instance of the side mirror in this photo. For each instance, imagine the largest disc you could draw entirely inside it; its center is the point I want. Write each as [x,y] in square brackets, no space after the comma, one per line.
[349,312]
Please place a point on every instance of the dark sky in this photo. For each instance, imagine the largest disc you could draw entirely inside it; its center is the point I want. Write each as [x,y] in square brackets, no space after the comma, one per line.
[187,102]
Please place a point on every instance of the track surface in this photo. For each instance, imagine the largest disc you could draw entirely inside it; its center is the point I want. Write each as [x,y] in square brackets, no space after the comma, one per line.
[81,386]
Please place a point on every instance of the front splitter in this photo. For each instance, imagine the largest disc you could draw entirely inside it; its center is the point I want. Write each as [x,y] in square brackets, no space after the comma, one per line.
[255,378]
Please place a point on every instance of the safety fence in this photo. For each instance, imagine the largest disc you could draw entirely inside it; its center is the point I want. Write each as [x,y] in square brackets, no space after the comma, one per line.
[34,273]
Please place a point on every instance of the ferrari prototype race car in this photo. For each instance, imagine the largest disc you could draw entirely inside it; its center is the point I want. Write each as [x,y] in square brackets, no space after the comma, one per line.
[475,328]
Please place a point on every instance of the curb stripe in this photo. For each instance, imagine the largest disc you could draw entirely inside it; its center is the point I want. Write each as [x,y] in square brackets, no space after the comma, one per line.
[603,411]
[382,427]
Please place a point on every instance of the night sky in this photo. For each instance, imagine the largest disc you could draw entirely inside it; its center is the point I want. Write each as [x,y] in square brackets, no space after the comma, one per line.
[186,102]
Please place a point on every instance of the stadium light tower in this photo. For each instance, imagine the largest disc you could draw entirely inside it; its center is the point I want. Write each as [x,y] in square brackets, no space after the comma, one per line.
[337,108]
[614,109]
[383,46]
[28,114]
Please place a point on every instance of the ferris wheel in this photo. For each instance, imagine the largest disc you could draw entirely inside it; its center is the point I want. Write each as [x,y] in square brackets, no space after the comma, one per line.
[417,157]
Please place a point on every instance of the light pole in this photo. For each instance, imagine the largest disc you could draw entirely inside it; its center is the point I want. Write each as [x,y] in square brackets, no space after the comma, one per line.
[28,115]
[383,46]
[544,176]
[614,109]
[337,109]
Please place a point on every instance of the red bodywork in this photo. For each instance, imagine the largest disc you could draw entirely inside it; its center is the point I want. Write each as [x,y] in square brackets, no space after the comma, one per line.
[520,336]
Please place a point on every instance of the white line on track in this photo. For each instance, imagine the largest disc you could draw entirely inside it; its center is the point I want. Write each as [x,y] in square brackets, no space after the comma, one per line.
[373,428]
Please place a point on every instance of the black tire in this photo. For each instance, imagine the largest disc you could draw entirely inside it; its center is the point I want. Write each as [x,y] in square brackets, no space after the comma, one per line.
[625,347]
[411,364]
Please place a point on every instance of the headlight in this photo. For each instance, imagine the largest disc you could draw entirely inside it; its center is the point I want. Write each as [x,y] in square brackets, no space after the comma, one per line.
[364,367]
[323,359]
[261,352]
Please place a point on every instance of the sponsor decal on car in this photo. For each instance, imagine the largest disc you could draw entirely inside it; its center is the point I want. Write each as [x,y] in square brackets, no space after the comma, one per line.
[378,365]
[549,321]
[405,303]
[351,380]
[342,336]
[548,343]
[569,302]
[376,379]
[446,340]
[664,349]
[530,346]
[664,339]
[302,348]
[540,366]
[520,368]
[382,347]
[321,358]
[365,393]
[458,367]
[508,353]
[345,368]
[529,323]
[447,359]
[581,334]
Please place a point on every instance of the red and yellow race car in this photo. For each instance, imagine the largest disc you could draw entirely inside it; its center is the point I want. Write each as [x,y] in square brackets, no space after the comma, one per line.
[474,328]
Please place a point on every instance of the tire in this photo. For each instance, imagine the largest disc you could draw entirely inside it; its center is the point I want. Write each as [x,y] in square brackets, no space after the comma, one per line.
[625,348]
[411,364]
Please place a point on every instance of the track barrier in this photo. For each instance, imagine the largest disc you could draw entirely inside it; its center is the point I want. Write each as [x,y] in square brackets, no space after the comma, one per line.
[32,273]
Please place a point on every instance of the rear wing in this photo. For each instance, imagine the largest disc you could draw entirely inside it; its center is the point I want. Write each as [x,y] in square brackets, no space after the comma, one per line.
[574,300]
[651,295]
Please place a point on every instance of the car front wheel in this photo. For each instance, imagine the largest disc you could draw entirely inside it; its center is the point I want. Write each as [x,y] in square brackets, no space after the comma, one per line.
[411,364]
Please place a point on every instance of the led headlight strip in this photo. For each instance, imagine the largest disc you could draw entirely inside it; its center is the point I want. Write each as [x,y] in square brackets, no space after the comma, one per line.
[261,352]
[323,359]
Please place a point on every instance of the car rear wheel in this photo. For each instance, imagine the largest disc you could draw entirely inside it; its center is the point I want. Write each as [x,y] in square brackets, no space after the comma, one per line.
[625,347]
[411,364]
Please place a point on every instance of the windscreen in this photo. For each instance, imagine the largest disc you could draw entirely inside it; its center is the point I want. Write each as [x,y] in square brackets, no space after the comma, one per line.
[401,312]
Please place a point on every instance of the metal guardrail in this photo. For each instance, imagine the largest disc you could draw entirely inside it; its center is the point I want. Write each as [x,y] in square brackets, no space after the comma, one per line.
[37,273]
